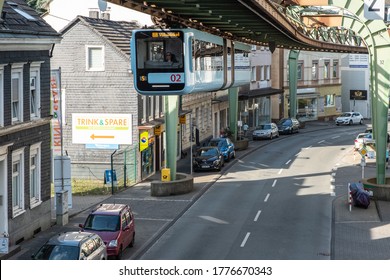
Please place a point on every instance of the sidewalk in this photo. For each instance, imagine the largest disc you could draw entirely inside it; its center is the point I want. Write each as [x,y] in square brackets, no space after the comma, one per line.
[357,234]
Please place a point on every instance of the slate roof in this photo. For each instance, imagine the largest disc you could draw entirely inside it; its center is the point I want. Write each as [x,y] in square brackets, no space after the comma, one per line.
[118,33]
[12,22]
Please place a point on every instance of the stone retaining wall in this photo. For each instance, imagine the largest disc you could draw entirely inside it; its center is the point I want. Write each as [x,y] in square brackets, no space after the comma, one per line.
[184,183]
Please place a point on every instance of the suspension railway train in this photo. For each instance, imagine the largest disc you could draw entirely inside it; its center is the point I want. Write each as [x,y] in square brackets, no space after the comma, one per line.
[201,62]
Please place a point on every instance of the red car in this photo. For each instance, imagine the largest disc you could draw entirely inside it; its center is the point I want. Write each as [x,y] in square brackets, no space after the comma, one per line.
[114,223]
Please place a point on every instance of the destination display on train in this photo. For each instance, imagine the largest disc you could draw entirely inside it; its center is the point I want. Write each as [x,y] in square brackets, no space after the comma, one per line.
[166,78]
[165,34]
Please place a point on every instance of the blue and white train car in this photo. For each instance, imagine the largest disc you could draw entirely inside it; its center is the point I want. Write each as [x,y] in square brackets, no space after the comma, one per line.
[182,61]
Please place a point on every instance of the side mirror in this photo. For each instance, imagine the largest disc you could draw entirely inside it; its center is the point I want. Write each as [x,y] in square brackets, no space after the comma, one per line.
[81,225]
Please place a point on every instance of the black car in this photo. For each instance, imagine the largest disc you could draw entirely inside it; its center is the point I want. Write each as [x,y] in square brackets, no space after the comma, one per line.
[288,126]
[208,158]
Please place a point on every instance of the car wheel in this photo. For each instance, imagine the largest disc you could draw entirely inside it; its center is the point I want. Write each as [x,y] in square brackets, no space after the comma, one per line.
[132,241]
[361,122]
[234,154]
[337,124]
[350,122]
[270,137]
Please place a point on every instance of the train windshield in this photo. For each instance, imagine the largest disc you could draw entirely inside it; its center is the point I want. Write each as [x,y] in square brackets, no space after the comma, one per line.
[160,50]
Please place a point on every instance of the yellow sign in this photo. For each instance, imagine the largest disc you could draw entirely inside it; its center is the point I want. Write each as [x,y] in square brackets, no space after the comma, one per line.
[165,174]
[157,130]
[363,152]
[143,141]
[165,34]
[182,119]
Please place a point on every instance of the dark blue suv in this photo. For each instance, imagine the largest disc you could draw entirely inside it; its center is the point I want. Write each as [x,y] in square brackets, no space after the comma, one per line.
[225,145]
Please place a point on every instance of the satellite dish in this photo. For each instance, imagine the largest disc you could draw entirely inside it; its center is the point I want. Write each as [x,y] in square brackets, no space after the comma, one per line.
[102,5]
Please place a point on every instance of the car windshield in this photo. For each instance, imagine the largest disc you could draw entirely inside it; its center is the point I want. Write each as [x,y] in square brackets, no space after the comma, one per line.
[102,222]
[285,122]
[264,126]
[216,143]
[346,115]
[368,135]
[57,252]
[208,152]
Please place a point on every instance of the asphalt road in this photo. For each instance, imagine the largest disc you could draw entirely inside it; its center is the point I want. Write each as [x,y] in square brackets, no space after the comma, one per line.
[276,203]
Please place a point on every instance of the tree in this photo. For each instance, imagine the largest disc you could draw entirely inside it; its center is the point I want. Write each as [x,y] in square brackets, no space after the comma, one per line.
[38,5]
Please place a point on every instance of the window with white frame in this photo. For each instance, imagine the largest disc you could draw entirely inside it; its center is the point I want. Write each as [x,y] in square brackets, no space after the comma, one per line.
[17,95]
[1,96]
[35,93]
[35,175]
[268,72]
[144,107]
[253,73]
[314,70]
[94,58]
[150,107]
[17,182]
[335,72]
[330,100]
[262,73]
[326,69]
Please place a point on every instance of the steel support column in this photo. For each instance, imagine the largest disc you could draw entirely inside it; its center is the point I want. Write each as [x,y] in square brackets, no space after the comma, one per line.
[293,81]
[171,122]
[233,111]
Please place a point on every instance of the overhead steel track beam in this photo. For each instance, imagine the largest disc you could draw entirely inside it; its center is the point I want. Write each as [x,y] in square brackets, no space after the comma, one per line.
[256,22]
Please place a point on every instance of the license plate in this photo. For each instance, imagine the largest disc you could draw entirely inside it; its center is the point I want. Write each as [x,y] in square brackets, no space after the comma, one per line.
[205,166]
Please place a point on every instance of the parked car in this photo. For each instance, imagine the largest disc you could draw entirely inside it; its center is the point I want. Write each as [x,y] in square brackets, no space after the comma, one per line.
[268,130]
[73,246]
[349,118]
[362,138]
[208,158]
[225,145]
[288,126]
[369,130]
[114,223]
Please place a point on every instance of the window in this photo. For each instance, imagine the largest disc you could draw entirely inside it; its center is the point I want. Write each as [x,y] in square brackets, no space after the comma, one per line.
[150,108]
[35,175]
[335,73]
[95,58]
[21,12]
[300,71]
[253,73]
[35,94]
[17,93]
[330,100]
[262,73]
[314,70]
[326,69]
[267,72]
[17,182]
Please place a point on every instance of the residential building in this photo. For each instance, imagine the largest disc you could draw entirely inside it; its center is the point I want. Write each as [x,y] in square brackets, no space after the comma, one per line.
[96,81]
[26,45]
[318,87]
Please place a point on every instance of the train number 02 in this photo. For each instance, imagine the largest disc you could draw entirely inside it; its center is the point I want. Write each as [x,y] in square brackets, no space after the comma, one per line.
[176,78]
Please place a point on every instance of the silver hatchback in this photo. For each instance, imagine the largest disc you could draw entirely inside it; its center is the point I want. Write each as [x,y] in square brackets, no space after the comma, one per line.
[73,246]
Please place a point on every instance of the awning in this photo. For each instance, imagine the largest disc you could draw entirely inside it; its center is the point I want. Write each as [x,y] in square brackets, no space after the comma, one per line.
[261,92]
[247,94]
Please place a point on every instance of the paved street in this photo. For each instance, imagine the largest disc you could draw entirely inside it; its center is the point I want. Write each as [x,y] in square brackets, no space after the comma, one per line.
[357,234]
